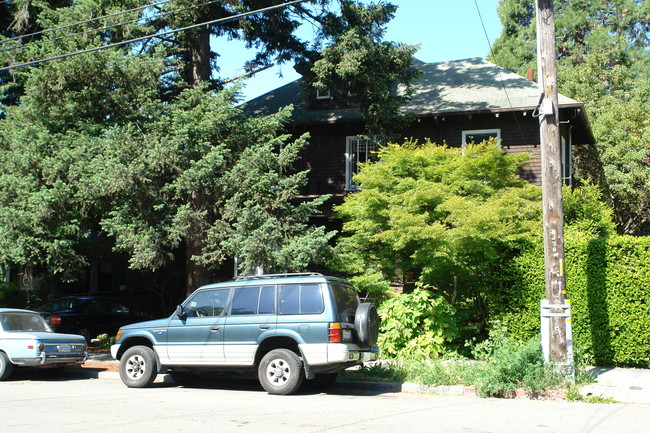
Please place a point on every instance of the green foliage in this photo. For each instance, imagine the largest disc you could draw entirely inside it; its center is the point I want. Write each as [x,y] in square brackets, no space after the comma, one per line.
[416,325]
[607,282]
[603,60]
[439,216]
[504,366]
[363,70]
[131,149]
[105,341]
[585,211]
[514,365]
[201,171]
[573,394]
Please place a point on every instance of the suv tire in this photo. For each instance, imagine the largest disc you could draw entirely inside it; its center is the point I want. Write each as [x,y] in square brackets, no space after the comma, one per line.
[366,323]
[138,367]
[281,372]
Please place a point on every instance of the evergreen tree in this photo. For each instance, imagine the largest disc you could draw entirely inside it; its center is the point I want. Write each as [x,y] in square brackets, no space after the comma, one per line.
[142,144]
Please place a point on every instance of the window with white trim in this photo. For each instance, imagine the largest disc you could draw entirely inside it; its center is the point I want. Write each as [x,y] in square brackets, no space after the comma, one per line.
[357,151]
[479,135]
[323,93]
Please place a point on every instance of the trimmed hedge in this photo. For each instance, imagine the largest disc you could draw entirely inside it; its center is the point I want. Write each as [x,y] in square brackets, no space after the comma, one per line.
[608,283]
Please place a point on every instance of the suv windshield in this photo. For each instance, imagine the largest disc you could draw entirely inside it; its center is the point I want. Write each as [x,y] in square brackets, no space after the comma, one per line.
[347,301]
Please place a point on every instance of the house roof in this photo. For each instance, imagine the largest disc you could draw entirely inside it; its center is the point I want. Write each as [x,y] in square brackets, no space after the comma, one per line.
[459,86]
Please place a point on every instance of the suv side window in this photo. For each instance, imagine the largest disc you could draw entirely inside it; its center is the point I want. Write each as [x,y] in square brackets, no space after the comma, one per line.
[301,299]
[267,300]
[244,300]
[207,303]
[253,300]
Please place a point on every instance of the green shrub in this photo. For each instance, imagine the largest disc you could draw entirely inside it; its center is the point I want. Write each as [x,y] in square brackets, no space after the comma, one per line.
[416,324]
[608,283]
[105,341]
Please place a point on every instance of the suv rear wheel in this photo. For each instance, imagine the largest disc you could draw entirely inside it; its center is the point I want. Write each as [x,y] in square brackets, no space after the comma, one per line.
[280,372]
[138,367]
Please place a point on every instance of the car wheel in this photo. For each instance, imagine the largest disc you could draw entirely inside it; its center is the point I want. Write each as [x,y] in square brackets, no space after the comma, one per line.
[6,367]
[138,367]
[366,323]
[280,372]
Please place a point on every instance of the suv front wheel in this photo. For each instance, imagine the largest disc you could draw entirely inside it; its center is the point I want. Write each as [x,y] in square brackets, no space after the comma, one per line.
[138,367]
[281,372]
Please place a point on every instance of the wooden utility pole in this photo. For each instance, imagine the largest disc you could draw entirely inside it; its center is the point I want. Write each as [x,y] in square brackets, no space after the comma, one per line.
[557,311]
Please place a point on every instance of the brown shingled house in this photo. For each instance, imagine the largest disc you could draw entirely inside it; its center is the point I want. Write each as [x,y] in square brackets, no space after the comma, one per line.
[454,103]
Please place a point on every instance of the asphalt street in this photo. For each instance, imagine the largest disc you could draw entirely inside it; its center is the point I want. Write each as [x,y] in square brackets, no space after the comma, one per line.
[76,403]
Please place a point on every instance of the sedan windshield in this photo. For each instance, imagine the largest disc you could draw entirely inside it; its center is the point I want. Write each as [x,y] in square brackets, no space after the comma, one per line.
[23,322]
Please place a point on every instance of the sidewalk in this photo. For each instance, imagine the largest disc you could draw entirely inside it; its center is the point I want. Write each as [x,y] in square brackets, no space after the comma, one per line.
[624,385]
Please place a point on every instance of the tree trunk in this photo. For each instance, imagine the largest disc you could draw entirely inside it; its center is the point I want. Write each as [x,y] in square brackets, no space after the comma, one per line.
[199,71]
[195,275]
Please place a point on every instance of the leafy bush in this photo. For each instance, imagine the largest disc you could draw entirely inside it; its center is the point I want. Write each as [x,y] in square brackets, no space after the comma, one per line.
[436,215]
[608,282]
[416,324]
[105,341]
[510,364]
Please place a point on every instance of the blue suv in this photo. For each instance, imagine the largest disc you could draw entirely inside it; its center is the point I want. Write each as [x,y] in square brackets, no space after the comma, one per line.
[288,328]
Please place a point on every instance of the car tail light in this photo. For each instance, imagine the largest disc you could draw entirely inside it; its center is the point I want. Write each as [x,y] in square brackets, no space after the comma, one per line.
[335,333]
[55,320]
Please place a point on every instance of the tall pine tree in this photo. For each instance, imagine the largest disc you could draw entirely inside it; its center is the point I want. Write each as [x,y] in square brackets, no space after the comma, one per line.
[142,144]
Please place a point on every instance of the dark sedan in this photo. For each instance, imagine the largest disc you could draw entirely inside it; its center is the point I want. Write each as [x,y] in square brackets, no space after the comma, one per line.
[89,316]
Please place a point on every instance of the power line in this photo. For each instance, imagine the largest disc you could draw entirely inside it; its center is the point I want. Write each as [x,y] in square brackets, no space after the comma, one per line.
[85,32]
[503,85]
[157,35]
[84,22]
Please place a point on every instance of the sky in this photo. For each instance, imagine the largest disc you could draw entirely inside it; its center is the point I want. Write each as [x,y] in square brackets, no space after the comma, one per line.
[445,30]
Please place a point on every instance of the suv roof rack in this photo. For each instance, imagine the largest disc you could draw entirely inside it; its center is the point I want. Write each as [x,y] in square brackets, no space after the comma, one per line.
[263,276]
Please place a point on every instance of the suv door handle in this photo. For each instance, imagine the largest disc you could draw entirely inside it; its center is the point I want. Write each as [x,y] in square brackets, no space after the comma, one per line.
[265,326]
[215,328]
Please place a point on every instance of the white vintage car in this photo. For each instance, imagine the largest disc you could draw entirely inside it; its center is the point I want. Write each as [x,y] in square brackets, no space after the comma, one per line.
[26,340]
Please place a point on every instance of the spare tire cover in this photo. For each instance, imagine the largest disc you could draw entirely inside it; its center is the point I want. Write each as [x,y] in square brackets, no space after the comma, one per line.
[366,323]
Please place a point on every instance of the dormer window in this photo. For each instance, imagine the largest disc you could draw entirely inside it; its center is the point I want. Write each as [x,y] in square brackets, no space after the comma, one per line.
[323,93]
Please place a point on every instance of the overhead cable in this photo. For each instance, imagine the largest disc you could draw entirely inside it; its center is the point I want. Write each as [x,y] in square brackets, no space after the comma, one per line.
[84,22]
[85,32]
[503,85]
[156,35]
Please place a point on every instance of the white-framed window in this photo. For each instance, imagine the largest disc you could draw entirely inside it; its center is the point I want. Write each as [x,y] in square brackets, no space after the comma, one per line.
[480,135]
[323,93]
[357,150]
